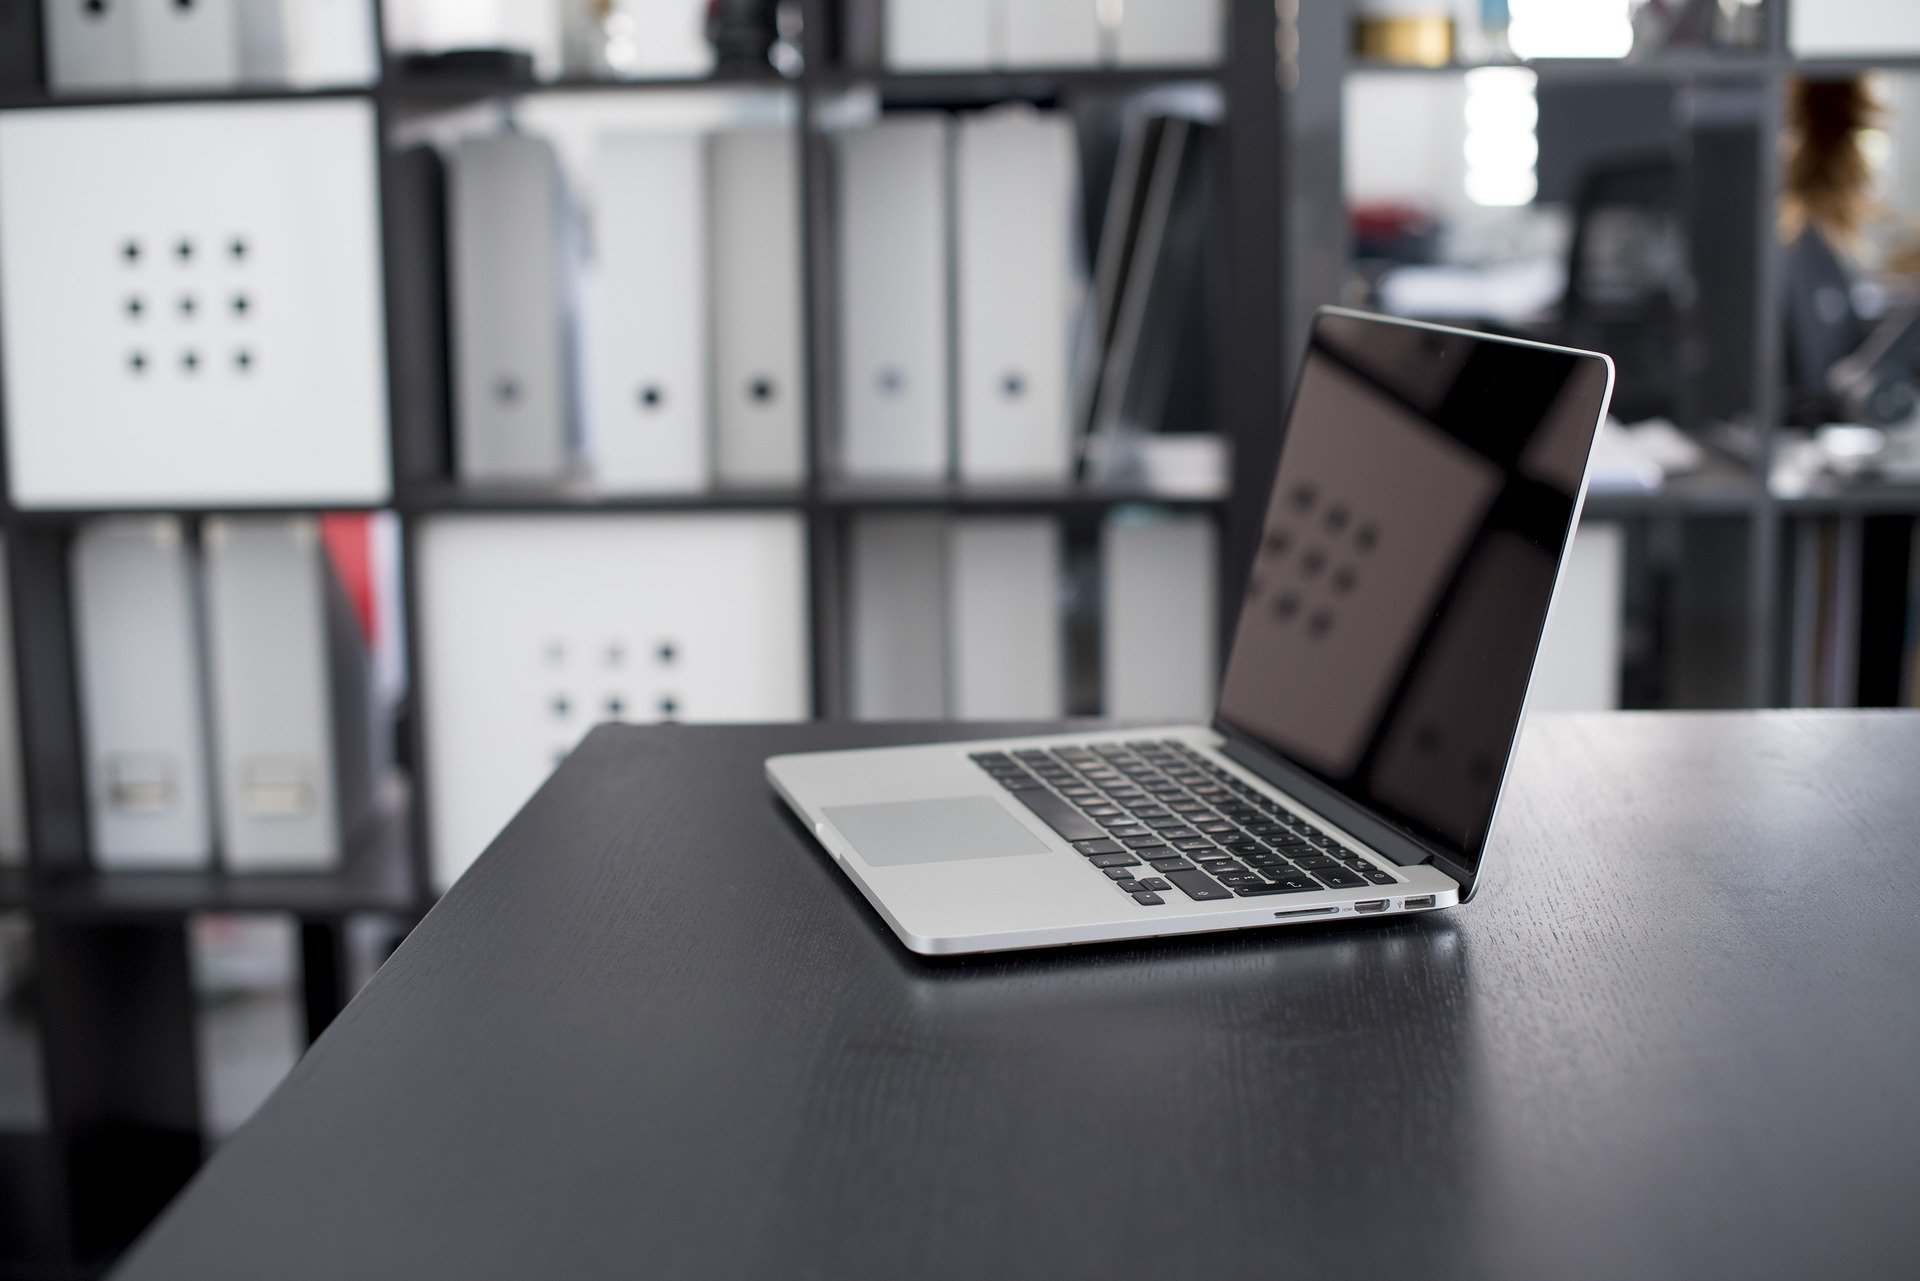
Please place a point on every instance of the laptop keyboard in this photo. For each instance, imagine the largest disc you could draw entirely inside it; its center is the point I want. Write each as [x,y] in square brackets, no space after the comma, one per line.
[1156,816]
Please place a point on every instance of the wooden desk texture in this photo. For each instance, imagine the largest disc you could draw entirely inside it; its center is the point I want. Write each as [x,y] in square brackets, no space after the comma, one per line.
[655,1034]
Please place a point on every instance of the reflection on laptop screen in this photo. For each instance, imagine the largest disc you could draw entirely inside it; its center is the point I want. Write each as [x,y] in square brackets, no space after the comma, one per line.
[1426,489]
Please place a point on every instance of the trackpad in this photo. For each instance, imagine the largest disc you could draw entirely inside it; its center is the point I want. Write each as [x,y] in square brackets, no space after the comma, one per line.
[896,833]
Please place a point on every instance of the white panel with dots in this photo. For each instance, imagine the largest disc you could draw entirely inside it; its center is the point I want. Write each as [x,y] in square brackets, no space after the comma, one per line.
[536,628]
[192,306]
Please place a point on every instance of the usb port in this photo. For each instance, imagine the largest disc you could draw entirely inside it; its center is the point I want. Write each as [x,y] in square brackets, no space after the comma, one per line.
[1371,905]
[1414,904]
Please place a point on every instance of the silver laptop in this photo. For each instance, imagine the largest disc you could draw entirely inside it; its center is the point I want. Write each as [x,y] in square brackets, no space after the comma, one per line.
[1429,481]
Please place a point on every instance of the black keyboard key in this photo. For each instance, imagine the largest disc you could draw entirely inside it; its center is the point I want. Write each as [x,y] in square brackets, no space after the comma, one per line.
[1198,886]
[1121,831]
[1024,783]
[1115,860]
[1220,863]
[1097,847]
[1147,898]
[1145,842]
[1060,816]
[1179,832]
[1375,876]
[1338,878]
[1293,885]
[1169,864]
[1097,812]
[1313,862]
[1191,843]
[1120,873]
[1153,883]
[1218,827]
[991,758]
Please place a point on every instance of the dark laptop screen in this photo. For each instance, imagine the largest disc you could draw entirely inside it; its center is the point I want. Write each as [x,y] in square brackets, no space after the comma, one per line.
[1425,494]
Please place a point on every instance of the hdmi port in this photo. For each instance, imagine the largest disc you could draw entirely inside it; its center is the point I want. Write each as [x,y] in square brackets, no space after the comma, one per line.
[1371,905]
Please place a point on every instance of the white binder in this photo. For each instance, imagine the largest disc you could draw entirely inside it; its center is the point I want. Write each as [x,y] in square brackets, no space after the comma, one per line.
[13,803]
[1578,668]
[306,43]
[759,369]
[897,643]
[292,777]
[937,35]
[651,408]
[534,628]
[1008,638]
[511,402]
[1016,179]
[192,306]
[894,390]
[137,633]
[1051,33]
[669,37]
[181,46]
[1159,606]
[1170,33]
[89,45]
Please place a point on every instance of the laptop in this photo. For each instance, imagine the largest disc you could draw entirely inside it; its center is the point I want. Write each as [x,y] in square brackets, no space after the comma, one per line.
[1428,484]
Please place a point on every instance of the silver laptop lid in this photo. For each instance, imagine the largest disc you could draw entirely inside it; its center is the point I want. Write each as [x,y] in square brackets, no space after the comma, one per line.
[1427,488]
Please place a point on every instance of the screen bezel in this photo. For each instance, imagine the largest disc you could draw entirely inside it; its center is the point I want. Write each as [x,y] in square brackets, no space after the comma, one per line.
[1399,843]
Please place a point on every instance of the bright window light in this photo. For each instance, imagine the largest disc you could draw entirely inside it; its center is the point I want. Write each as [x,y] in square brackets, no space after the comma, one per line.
[1570,28]
[1501,146]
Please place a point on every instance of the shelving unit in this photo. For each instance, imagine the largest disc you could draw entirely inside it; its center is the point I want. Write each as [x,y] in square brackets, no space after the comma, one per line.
[1745,89]
[115,1001]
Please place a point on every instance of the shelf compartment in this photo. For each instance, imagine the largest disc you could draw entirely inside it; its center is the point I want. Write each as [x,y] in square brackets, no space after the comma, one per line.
[377,876]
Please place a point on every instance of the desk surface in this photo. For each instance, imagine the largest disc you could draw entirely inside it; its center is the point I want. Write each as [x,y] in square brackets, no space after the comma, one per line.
[654,1033]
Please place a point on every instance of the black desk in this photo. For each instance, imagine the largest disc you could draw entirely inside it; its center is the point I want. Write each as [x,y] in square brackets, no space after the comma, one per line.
[655,1034]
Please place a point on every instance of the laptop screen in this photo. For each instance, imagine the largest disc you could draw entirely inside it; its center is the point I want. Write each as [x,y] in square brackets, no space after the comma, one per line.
[1425,493]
